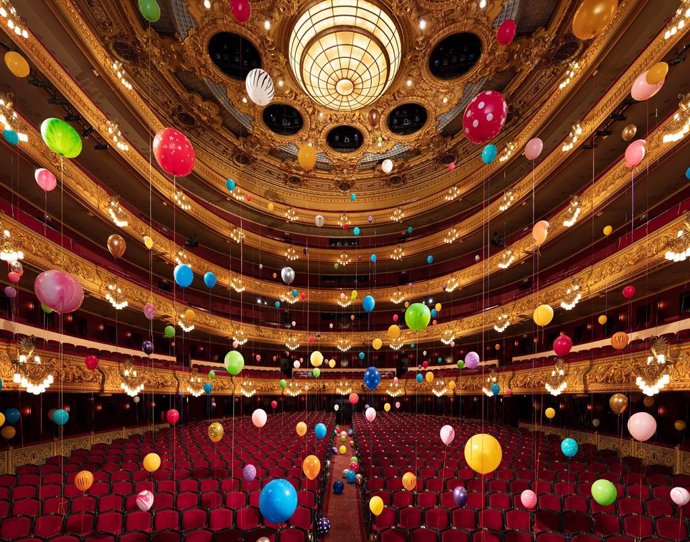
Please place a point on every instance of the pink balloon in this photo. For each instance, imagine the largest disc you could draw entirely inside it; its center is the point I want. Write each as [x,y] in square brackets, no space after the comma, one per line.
[506,32]
[484,116]
[533,148]
[447,434]
[397,404]
[370,414]
[629,291]
[173,152]
[241,10]
[144,500]
[45,179]
[451,166]
[641,90]
[395,380]
[562,345]
[149,311]
[642,426]
[59,291]
[235,344]
[508,392]
[635,152]
[259,417]
[173,416]
[680,496]
[540,231]
[528,498]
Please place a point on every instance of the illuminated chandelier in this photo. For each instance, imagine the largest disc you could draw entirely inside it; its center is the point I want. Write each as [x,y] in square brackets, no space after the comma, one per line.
[293,389]
[343,259]
[397,215]
[237,235]
[679,20]
[572,296]
[343,388]
[490,381]
[502,322]
[655,374]
[395,389]
[397,254]
[573,137]
[30,372]
[572,213]
[453,192]
[8,115]
[448,336]
[343,300]
[185,326]
[292,343]
[506,200]
[291,254]
[506,259]
[181,200]
[237,284]
[247,389]
[8,252]
[132,383]
[507,152]
[397,296]
[682,118]
[117,213]
[452,236]
[679,247]
[452,284]
[121,74]
[115,296]
[12,19]
[115,135]
[195,386]
[439,388]
[343,220]
[291,215]
[237,193]
[570,72]
[396,344]
[182,258]
[343,344]
[557,381]
[239,335]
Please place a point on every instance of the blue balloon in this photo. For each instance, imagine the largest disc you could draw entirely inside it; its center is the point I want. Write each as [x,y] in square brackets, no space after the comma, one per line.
[419,377]
[372,377]
[361,355]
[12,415]
[295,293]
[60,416]
[434,313]
[350,476]
[429,259]
[569,447]
[353,196]
[687,173]
[208,388]
[373,258]
[334,450]
[489,153]
[355,230]
[183,275]
[349,431]
[320,431]
[11,137]
[230,185]
[411,345]
[368,303]
[1,383]
[495,389]
[439,359]
[210,279]
[338,487]
[409,229]
[278,501]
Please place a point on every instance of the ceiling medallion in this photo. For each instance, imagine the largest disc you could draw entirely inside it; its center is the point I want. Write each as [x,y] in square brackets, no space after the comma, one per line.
[345,53]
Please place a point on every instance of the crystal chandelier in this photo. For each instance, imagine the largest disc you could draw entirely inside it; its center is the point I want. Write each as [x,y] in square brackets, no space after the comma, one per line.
[237,235]
[572,213]
[507,152]
[343,220]
[573,137]
[115,135]
[448,336]
[8,252]
[572,297]
[185,326]
[682,118]
[239,335]
[12,20]
[452,236]
[343,259]
[572,69]
[247,389]
[343,344]
[8,115]
[679,20]
[291,254]
[291,215]
[397,254]
[343,388]
[452,284]
[395,389]
[181,258]
[293,389]
[506,259]
[344,301]
[397,296]
[237,193]
[396,344]
[507,200]
[117,213]
[655,374]
[116,296]
[490,381]
[453,193]
[289,298]
[439,388]
[557,381]
[181,200]
[29,371]
[679,247]
[237,284]
[292,343]
[132,383]
[121,74]
[502,322]
[397,215]
[195,386]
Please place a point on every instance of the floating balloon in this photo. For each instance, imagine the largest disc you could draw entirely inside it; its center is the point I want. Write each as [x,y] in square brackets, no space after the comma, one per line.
[484,116]
[608,230]
[338,487]
[306,156]
[386,407]
[569,447]
[429,377]
[642,426]
[618,403]
[230,185]
[460,496]
[409,481]
[91,362]
[602,319]
[483,453]
[376,505]
[316,358]
[368,303]
[116,245]
[604,492]
[241,10]
[45,179]
[183,275]
[61,138]
[8,432]
[17,64]
[210,279]
[320,431]
[150,10]
[679,425]
[311,467]
[592,16]
[377,343]
[533,148]
[629,132]
[152,462]
[173,152]
[447,434]
[172,416]
[506,32]
[417,317]
[259,417]
[642,90]
[657,73]
[370,414]
[629,291]
[215,432]
[83,480]
[562,345]
[635,153]
[259,87]
[543,315]
[319,221]
[550,413]
[540,231]
[287,274]
[471,360]
[680,496]
[372,377]
[596,422]
[278,501]
[489,153]
[387,166]
[59,291]
[234,362]
[10,292]
[619,340]
[169,332]
[208,387]
[353,399]
[394,331]
[528,498]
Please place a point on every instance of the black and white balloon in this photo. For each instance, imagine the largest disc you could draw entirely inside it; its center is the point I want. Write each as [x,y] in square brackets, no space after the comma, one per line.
[287,274]
[323,526]
[259,87]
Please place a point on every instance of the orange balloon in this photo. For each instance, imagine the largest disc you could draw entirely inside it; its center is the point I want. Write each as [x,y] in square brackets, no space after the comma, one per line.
[409,481]
[592,16]
[619,340]
[301,429]
[311,466]
[83,480]
[306,156]
[657,73]
[116,245]
[540,231]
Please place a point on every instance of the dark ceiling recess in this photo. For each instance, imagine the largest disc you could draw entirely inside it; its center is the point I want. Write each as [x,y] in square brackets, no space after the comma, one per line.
[283,119]
[455,55]
[345,139]
[407,119]
[234,55]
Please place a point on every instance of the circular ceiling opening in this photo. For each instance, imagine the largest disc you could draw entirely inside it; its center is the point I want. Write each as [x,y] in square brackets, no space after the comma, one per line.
[345,139]
[234,55]
[283,119]
[407,119]
[455,55]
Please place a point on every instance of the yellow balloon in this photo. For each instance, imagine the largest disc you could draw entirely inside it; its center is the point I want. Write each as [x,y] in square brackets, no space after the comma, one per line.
[393,332]
[483,453]
[409,481]
[451,385]
[407,304]
[543,315]
[387,407]
[8,432]
[316,358]
[148,242]
[608,230]
[429,377]
[270,206]
[354,294]
[657,73]
[550,413]
[377,343]
[342,449]
[17,64]
[438,307]
[306,156]
[301,429]
[331,363]
[2,419]
[680,425]
[602,319]
[592,17]
[189,315]
[215,432]
[376,505]
[311,466]
[152,462]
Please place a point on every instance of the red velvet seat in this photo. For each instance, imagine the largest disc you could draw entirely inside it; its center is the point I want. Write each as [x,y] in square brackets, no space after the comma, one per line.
[138,521]
[637,526]
[193,519]
[166,519]
[386,519]
[79,524]
[410,518]
[427,499]
[437,518]
[109,522]
[672,528]
[393,535]
[606,524]
[48,526]
[25,507]
[518,519]
[464,518]
[247,518]
[423,535]
[491,519]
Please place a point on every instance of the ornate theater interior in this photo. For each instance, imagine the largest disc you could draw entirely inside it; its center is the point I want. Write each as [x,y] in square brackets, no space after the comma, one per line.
[346,270]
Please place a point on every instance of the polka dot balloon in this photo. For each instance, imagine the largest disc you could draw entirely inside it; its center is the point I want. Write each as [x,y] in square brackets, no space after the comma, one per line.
[485,116]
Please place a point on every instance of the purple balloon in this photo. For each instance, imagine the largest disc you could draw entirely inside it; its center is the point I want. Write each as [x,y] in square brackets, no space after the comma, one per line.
[147,347]
[460,496]
[149,311]
[249,472]
[472,360]
[10,292]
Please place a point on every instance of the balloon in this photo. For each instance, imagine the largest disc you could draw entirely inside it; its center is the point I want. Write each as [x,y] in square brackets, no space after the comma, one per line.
[562,345]
[528,498]
[45,179]
[353,399]
[183,275]
[278,501]
[61,138]
[8,432]
[460,496]
[409,481]
[249,472]
[472,360]
[116,245]
[172,416]
[12,415]
[215,432]
[320,431]
[377,343]
[680,496]
[397,404]
[618,403]
[679,425]
[648,402]
[144,500]
[387,166]
[234,362]
[635,153]
[259,87]
[374,118]
[174,153]
[417,316]
[149,311]
[484,116]
[642,426]
[596,422]
[370,414]
[11,137]
[83,480]
[569,447]
[540,231]
[604,492]
[447,434]
[169,332]
[608,230]
[629,291]
[208,387]
[17,64]
[495,388]
[59,291]
[91,362]
[241,10]
[150,10]
[306,156]
[394,331]
[619,340]
[550,413]
[460,364]
[210,279]
[506,32]
[483,453]
[602,319]
[376,505]
[316,358]
[10,292]
[323,526]
[533,148]
[50,414]
[429,377]
[282,383]
[419,378]
[60,416]
[259,417]
[543,315]
[152,462]
[592,16]
[230,185]
[338,487]
[287,274]
[430,259]
[641,90]
[372,377]
[629,132]
[368,303]
[489,153]
[311,467]
[657,73]
[319,221]
[387,407]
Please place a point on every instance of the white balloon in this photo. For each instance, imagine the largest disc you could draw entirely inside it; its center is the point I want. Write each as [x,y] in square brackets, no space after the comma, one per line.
[680,496]
[447,434]
[319,221]
[296,364]
[370,414]
[287,274]
[336,408]
[387,165]
[259,417]
[259,87]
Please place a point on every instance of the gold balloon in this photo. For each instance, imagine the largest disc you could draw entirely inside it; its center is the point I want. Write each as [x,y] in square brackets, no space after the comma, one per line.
[618,403]
[592,16]
[451,385]
[602,319]
[483,453]
[409,481]
[377,343]
[429,377]
[648,402]
[550,413]
[387,407]
[17,64]
[215,432]
[619,340]
[342,449]
[189,315]
[2,419]
[393,332]
[8,432]
[152,462]
[680,425]
[301,429]
[657,73]
[543,315]
[306,156]
[331,363]
[629,132]
[116,245]
[376,505]
[271,206]
[83,480]
[148,242]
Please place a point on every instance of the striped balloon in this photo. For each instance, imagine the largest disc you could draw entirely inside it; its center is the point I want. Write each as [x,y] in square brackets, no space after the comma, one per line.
[259,87]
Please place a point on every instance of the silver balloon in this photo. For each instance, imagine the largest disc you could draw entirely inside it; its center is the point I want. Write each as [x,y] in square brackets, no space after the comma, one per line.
[259,87]
[596,422]
[318,220]
[287,274]
[358,479]
[16,267]
[136,399]
[263,539]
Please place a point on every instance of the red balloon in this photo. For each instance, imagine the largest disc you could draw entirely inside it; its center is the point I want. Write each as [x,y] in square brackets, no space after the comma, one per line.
[562,345]
[506,32]
[274,404]
[425,364]
[629,291]
[91,362]
[354,398]
[13,276]
[241,10]
[354,466]
[173,416]
[395,317]
[173,152]
[484,116]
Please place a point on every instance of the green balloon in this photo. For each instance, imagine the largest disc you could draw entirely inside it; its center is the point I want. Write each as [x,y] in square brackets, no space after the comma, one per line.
[1,383]
[234,362]
[343,439]
[354,459]
[61,138]
[316,372]
[417,316]
[604,492]
[169,332]
[150,10]
[212,374]
[45,309]
[282,383]
[461,364]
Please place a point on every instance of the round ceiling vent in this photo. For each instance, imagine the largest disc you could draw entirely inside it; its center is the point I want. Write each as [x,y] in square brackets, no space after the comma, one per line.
[396,180]
[345,139]
[294,180]
[455,55]
[234,55]
[283,119]
[242,159]
[407,119]
[345,186]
